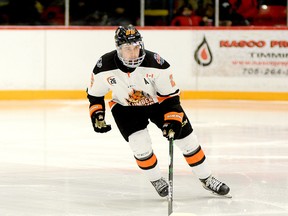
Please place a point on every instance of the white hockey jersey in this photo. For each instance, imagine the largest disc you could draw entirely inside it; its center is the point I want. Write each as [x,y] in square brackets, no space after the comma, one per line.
[151,82]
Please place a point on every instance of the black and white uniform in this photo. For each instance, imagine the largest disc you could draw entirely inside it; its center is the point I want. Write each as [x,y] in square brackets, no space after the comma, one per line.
[139,95]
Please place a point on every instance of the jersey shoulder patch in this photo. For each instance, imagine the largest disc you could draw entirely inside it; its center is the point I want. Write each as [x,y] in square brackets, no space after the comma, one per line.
[154,60]
[106,63]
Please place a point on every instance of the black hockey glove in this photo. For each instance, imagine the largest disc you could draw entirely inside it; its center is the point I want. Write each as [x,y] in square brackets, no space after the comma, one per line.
[98,120]
[172,124]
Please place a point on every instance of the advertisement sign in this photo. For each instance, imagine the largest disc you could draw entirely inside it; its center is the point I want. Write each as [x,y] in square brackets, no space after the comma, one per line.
[242,54]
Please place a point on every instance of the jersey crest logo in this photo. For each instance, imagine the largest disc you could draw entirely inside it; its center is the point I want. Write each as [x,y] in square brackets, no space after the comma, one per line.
[158,59]
[99,63]
[139,98]
[111,80]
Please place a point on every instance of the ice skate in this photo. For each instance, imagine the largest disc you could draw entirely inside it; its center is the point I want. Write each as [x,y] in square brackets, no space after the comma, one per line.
[161,187]
[216,187]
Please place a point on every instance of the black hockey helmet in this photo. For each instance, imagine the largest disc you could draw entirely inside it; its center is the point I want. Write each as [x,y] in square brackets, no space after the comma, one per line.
[127,36]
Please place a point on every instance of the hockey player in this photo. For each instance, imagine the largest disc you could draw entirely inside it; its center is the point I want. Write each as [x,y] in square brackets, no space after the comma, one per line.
[143,89]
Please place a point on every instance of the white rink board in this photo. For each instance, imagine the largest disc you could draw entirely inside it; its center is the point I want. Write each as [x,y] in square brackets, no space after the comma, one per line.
[22,59]
[63,59]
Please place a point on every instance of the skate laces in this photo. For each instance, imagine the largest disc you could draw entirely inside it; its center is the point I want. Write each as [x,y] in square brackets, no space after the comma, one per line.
[213,183]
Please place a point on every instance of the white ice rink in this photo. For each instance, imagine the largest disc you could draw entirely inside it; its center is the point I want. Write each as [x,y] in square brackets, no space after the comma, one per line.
[52,163]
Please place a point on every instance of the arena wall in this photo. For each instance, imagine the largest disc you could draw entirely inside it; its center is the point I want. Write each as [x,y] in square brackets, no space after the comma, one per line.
[208,63]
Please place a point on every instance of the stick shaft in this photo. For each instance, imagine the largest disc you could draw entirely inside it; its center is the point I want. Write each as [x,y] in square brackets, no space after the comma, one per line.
[170,177]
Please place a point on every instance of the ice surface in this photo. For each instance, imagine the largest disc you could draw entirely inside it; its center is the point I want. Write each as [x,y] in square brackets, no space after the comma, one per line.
[52,163]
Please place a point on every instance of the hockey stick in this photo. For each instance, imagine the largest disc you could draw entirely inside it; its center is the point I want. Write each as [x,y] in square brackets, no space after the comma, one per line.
[170,178]
[170,172]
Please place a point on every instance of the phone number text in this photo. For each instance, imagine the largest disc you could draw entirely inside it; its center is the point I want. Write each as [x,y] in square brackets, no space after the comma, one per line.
[265,71]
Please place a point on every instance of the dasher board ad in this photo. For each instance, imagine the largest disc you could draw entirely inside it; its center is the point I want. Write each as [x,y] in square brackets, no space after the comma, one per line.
[242,53]
[251,56]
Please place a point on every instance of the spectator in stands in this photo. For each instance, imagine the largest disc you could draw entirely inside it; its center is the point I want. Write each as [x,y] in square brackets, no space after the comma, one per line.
[207,11]
[225,13]
[186,17]
[53,14]
[179,3]
[247,9]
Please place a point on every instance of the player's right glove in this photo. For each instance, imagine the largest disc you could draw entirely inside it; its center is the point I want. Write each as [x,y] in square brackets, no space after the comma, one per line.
[98,119]
[172,124]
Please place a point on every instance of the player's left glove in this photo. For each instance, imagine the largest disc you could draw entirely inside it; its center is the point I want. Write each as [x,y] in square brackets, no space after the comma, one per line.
[98,119]
[172,124]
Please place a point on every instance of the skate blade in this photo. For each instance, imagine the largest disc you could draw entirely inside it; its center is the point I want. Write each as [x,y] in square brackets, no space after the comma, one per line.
[225,196]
